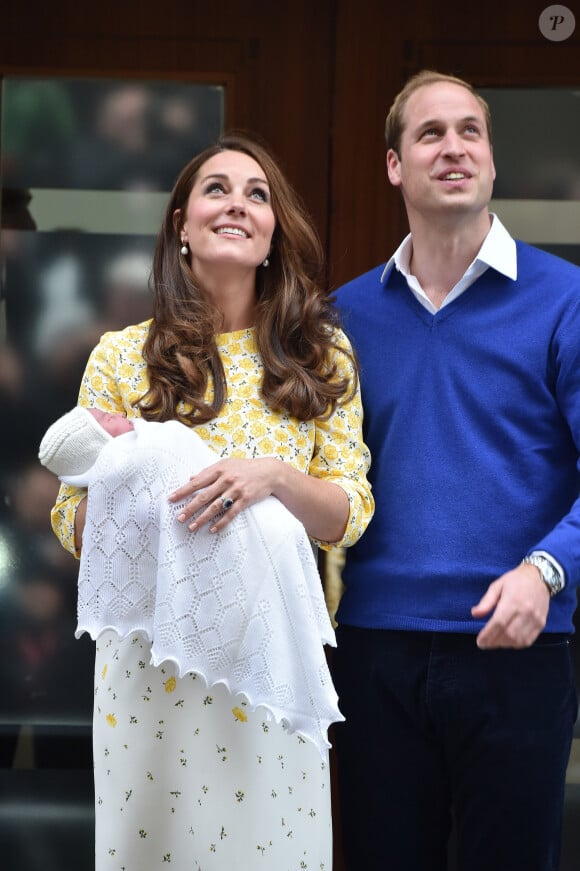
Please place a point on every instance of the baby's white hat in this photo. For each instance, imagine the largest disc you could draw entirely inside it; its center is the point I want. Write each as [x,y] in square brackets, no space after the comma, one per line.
[72,444]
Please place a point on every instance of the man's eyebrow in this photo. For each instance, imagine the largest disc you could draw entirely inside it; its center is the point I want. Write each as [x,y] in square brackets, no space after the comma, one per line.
[437,122]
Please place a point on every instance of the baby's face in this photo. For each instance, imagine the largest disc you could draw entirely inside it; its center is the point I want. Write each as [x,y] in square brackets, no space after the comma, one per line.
[114,424]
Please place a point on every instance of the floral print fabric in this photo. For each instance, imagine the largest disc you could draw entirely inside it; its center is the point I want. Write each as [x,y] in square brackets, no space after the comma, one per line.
[189,778]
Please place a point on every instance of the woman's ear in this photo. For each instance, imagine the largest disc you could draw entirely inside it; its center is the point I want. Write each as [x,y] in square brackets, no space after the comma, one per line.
[177,220]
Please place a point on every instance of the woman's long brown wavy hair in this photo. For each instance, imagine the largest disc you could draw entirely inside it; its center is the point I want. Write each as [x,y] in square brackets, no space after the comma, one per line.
[294,320]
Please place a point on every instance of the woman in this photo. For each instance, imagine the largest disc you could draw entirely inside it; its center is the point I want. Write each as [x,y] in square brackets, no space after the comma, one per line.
[242,345]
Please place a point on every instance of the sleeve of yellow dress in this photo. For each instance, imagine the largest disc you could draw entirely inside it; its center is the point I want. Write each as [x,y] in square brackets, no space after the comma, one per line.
[341,456]
[98,388]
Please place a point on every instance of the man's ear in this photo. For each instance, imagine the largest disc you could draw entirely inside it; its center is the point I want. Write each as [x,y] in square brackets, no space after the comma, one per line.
[393,167]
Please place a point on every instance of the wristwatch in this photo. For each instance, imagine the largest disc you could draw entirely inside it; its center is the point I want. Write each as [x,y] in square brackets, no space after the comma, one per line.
[550,575]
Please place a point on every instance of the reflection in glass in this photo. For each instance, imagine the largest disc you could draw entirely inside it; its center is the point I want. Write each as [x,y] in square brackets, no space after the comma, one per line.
[86,168]
[537,189]
[535,133]
[104,134]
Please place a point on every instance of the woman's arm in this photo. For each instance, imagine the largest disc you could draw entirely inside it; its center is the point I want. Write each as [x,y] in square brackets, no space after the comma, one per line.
[321,506]
[80,519]
[112,358]
[63,518]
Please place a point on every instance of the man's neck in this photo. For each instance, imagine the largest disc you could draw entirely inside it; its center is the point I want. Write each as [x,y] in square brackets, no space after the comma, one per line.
[442,253]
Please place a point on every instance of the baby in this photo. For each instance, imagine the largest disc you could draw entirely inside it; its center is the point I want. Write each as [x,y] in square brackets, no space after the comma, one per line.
[72,444]
[244,607]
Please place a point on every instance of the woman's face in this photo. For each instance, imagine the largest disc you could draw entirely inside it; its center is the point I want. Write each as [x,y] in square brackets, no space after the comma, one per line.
[228,218]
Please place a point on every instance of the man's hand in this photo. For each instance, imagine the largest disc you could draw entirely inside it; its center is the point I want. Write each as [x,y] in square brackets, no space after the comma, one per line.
[521,601]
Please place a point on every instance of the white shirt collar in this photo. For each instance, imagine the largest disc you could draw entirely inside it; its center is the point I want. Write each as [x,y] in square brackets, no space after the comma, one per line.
[498,251]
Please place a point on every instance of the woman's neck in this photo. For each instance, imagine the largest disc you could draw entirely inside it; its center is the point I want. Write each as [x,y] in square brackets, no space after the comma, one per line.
[234,296]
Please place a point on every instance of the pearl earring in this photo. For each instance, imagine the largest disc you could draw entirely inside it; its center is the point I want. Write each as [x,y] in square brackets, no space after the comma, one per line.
[184,248]
[266,262]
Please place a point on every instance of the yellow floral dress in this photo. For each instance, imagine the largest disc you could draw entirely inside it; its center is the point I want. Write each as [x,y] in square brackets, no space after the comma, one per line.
[187,776]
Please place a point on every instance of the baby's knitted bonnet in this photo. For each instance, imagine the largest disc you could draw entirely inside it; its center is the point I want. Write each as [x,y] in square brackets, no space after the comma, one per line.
[72,444]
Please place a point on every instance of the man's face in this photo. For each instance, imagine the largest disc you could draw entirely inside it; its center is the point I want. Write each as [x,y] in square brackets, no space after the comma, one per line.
[445,165]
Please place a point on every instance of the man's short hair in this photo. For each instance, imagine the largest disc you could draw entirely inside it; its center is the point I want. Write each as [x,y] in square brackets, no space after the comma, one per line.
[394,124]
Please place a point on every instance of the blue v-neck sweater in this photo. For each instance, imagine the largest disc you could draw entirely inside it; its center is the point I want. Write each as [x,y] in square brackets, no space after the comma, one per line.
[472,417]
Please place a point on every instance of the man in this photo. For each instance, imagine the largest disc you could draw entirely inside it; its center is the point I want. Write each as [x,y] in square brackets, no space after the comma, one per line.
[453,667]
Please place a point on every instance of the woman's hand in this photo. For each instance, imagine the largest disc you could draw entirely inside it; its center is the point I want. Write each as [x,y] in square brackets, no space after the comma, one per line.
[222,490]
[321,506]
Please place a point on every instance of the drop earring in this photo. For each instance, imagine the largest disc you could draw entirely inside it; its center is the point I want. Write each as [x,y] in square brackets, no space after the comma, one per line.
[266,262]
[184,248]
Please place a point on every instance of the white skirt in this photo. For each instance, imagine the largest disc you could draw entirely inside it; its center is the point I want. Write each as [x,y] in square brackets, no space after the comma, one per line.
[189,777]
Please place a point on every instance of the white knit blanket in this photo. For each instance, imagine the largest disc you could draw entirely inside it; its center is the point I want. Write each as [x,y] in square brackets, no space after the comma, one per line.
[243,607]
